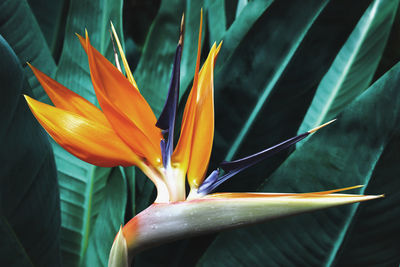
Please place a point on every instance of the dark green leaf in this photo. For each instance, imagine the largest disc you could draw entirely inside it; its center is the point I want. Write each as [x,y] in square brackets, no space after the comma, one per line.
[109,220]
[154,68]
[82,186]
[375,230]
[29,198]
[51,18]
[354,66]
[340,156]
[261,98]
[19,27]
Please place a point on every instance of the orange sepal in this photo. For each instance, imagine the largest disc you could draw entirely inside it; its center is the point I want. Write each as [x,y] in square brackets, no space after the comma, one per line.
[88,140]
[125,108]
[194,147]
[66,99]
[181,154]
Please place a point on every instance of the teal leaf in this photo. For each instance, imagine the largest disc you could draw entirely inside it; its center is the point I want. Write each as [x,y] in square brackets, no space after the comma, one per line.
[158,53]
[51,16]
[252,69]
[298,27]
[82,186]
[21,30]
[82,191]
[375,231]
[354,66]
[339,156]
[237,31]
[216,17]
[109,220]
[29,197]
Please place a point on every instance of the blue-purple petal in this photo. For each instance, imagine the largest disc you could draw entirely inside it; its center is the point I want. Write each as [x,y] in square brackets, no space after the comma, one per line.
[166,121]
[232,168]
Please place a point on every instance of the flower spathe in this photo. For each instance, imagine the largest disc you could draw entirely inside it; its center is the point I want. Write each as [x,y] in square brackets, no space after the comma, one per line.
[126,132]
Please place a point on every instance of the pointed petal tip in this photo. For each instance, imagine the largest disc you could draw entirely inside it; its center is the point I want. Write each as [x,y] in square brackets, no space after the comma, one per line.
[182,30]
[118,256]
[321,126]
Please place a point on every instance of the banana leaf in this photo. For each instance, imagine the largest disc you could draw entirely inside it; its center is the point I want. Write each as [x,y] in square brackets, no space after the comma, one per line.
[82,186]
[29,196]
[21,30]
[347,154]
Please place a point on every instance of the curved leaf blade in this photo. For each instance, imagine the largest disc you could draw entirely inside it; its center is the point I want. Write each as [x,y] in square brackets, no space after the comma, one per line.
[354,66]
[20,28]
[110,218]
[374,229]
[29,197]
[343,155]
[82,186]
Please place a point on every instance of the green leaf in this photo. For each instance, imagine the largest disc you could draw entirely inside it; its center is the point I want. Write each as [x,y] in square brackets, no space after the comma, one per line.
[82,190]
[51,18]
[29,198]
[95,16]
[339,156]
[82,186]
[298,29]
[236,33]
[354,66]
[158,52]
[264,89]
[189,53]
[217,18]
[374,229]
[21,30]
[130,173]
[109,220]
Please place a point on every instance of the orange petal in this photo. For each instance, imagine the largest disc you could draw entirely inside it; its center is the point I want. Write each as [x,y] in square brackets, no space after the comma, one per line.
[88,140]
[327,193]
[198,126]
[181,154]
[125,108]
[184,147]
[66,99]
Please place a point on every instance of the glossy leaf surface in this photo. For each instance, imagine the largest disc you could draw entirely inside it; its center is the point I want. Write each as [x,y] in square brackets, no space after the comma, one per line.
[354,66]
[29,198]
[322,162]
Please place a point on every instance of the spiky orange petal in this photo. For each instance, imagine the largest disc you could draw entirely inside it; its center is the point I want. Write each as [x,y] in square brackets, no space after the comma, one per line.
[66,99]
[194,147]
[125,108]
[203,134]
[88,140]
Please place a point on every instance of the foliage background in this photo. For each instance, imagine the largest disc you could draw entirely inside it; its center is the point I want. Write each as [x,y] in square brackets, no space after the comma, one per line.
[284,67]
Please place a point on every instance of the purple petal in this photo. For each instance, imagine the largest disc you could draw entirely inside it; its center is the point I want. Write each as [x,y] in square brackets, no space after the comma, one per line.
[166,121]
[248,161]
[234,167]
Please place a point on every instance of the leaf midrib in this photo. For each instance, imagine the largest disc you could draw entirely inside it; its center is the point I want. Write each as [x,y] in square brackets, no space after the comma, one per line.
[344,73]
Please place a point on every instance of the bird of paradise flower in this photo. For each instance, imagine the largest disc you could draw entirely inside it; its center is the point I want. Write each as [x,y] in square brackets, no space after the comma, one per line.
[126,132]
